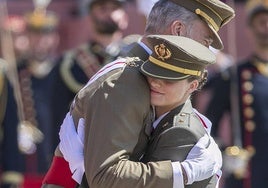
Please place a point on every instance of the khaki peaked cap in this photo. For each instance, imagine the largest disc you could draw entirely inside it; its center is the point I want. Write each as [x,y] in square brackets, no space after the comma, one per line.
[176,57]
[214,12]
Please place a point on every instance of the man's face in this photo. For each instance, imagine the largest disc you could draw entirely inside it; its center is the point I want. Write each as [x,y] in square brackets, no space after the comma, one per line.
[259,28]
[21,44]
[200,32]
[108,17]
[42,45]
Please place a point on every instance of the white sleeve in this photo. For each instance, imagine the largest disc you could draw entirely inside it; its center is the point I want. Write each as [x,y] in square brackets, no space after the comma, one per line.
[177,175]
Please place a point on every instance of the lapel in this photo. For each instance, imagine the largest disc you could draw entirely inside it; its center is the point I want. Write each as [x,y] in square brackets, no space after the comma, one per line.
[166,122]
[179,116]
[148,127]
[183,118]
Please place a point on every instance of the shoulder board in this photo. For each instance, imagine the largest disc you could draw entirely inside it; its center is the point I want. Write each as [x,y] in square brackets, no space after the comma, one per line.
[182,119]
[133,61]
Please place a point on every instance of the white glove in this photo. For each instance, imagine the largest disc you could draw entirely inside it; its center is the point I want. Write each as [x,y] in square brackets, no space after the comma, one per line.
[72,146]
[203,161]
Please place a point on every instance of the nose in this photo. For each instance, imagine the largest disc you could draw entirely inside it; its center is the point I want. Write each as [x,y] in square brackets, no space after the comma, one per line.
[155,83]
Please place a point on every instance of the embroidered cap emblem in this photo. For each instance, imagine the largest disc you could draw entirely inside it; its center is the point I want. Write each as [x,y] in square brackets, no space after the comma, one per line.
[162,52]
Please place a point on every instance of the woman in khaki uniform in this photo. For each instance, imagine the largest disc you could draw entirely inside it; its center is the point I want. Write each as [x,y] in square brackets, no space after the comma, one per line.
[176,69]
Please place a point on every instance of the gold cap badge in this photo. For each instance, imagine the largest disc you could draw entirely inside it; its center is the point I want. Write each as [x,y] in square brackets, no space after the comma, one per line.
[162,52]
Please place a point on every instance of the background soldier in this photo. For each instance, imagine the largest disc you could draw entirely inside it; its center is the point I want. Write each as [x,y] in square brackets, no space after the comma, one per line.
[107,21]
[11,158]
[25,152]
[240,91]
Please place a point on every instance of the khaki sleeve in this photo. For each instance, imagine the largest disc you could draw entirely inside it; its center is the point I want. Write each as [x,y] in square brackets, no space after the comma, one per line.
[116,114]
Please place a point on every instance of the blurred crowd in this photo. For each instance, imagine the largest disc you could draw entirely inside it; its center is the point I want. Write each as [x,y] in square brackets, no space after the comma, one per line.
[39,77]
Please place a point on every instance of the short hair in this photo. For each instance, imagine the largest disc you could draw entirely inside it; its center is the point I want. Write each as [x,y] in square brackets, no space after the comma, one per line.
[163,13]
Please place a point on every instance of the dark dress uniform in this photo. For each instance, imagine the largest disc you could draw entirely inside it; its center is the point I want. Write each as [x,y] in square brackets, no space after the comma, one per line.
[36,95]
[11,158]
[251,83]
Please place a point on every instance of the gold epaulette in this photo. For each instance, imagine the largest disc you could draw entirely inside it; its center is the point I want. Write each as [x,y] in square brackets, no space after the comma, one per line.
[84,63]
[12,177]
[65,71]
[261,67]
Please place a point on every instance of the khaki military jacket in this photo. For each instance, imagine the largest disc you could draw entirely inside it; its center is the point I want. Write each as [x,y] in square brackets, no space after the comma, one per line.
[116,108]
[174,137]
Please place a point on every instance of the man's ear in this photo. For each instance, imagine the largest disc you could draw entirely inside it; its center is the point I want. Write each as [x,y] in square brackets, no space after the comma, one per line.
[178,28]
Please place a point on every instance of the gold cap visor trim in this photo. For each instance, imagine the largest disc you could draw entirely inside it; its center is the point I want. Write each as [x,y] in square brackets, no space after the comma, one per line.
[208,18]
[174,68]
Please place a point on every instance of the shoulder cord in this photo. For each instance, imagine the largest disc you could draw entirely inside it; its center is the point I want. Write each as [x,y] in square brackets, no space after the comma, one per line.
[86,61]
[27,96]
[28,129]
